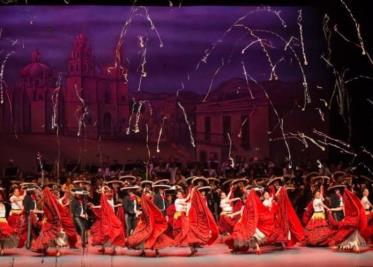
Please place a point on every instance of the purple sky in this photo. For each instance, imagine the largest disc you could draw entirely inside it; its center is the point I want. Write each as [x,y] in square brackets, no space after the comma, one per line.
[186,32]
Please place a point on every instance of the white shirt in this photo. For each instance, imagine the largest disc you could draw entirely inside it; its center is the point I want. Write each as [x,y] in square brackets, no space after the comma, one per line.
[2,210]
[365,202]
[16,202]
[225,205]
[111,202]
[268,202]
[318,205]
[180,205]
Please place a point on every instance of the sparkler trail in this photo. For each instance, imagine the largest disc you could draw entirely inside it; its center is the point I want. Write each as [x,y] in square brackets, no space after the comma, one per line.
[358,77]
[264,49]
[208,51]
[131,115]
[239,135]
[160,134]
[357,26]
[307,97]
[286,144]
[83,109]
[2,75]
[288,42]
[247,79]
[188,124]
[364,150]
[147,141]
[142,64]
[136,127]
[322,115]
[327,35]
[299,21]
[212,80]
[330,138]
[231,160]
[55,122]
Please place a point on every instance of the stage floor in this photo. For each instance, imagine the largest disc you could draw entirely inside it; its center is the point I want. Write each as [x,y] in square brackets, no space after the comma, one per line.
[216,255]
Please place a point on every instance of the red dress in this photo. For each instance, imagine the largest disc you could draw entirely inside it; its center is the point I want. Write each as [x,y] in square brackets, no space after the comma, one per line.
[354,222]
[107,229]
[150,231]
[256,223]
[170,214]
[67,224]
[199,226]
[7,233]
[318,231]
[288,227]
[51,225]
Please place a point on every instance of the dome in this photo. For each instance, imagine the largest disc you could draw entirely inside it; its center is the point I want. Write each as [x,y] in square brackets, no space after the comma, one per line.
[35,68]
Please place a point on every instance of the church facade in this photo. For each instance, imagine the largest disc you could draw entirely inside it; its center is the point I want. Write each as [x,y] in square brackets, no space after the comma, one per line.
[81,102]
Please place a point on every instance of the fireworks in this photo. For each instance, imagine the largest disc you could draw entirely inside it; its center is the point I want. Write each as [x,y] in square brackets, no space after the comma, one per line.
[212,80]
[160,134]
[2,76]
[188,124]
[299,20]
[231,160]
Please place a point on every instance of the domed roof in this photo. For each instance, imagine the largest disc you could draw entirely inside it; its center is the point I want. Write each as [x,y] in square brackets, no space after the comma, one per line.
[35,68]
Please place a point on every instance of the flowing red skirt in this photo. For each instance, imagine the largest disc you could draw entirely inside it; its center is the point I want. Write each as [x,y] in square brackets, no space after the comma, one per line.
[107,229]
[5,230]
[227,223]
[68,226]
[150,231]
[48,234]
[199,227]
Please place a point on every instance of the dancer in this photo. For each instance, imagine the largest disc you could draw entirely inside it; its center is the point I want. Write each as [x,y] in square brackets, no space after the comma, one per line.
[51,234]
[347,236]
[318,232]
[107,230]
[8,237]
[67,221]
[196,223]
[78,208]
[150,231]
[226,219]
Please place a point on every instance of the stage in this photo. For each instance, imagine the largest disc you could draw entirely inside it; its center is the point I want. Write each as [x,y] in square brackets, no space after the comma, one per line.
[216,255]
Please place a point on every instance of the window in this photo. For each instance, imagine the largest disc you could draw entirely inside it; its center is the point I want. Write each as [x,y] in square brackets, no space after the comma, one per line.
[226,127]
[245,131]
[107,96]
[207,129]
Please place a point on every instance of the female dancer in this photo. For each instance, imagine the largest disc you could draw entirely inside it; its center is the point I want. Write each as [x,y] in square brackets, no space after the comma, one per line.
[226,219]
[347,236]
[196,223]
[150,231]
[51,234]
[16,201]
[107,230]
[8,237]
[318,231]
[67,221]
[259,226]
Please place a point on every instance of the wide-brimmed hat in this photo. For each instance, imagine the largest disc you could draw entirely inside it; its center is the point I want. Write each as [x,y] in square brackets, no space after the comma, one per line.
[79,191]
[130,188]
[204,188]
[200,179]
[240,180]
[336,187]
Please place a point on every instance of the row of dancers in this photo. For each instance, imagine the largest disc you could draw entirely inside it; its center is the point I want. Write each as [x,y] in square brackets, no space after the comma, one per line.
[155,215]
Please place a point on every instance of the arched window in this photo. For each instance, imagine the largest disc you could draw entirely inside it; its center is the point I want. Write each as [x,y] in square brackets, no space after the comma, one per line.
[107,123]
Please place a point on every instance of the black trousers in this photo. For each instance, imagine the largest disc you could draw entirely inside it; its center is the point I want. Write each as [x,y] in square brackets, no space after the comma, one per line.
[81,226]
[29,231]
[130,223]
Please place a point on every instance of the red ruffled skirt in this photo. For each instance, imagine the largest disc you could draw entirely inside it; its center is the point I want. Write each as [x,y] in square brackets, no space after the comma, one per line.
[318,232]
[50,231]
[227,223]
[8,236]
